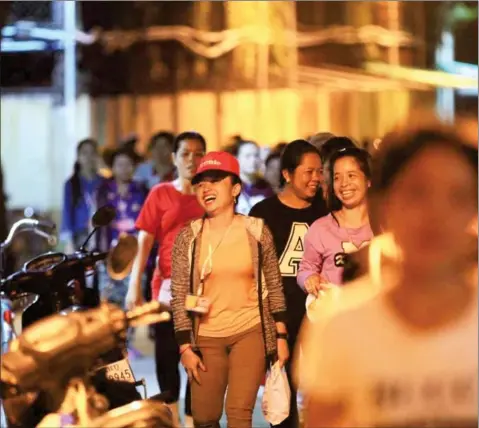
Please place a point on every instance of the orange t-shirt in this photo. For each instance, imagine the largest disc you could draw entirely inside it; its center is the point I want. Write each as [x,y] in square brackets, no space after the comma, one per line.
[231,285]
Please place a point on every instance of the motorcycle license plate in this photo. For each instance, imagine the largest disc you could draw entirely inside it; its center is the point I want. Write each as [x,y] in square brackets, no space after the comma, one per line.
[120,371]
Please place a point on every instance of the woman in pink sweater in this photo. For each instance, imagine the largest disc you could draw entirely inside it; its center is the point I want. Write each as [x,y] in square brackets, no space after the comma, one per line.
[345,230]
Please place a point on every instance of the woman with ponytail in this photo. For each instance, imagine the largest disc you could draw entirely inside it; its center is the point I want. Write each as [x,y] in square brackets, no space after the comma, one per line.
[80,194]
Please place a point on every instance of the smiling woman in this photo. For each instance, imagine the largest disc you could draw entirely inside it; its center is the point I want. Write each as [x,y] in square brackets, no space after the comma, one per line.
[289,215]
[226,278]
[345,230]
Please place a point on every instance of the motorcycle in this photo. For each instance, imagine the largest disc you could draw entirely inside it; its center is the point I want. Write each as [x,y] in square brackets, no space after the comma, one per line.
[61,281]
[44,229]
[55,370]
[57,283]
[9,307]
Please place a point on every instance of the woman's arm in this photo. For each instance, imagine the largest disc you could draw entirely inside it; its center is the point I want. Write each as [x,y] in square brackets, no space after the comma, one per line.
[148,224]
[180,285]
[145,243]
[272,275]
[312,261]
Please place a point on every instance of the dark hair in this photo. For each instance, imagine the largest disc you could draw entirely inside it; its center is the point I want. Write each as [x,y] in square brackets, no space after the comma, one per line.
[334,144]
[242,143]
[122,151]
[396,151]
[271,157]
[162,135]
[363,159]
[188,135]
[319,139]
[230,148]
[279,148]
[129,141]
[275,153]
[129,145]
[106,155]
[292,156]
[400,147]
[237,138]
[236,180]
[75,178]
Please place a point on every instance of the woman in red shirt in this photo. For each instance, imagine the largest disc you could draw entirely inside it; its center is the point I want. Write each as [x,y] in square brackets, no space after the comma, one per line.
[168,207]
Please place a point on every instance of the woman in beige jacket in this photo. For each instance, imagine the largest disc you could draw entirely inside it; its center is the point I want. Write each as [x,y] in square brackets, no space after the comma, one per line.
[227,299]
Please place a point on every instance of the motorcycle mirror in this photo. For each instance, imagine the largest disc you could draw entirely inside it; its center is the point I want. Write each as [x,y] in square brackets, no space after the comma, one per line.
[103,216]
[120,257]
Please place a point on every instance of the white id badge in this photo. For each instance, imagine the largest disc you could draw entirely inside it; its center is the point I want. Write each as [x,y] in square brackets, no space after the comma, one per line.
[198,304]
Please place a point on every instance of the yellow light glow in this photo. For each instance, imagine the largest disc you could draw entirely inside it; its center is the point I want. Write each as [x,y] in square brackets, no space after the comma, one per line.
[433,78]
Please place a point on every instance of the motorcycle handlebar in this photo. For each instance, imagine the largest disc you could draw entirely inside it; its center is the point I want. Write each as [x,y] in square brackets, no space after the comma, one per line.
[46,224]
[52,239]
[148,313]
[31,224]
[38,282]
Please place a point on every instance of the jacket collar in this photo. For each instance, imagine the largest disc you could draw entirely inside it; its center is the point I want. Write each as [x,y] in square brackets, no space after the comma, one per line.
[254,226]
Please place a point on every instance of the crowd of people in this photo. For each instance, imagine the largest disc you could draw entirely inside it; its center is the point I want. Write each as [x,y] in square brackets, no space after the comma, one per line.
[252,255]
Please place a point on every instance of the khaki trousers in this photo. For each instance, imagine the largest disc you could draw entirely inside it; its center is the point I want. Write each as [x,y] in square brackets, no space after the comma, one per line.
[236,363]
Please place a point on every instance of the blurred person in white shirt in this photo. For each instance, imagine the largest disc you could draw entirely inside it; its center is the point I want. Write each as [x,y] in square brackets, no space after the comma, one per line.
[407,355]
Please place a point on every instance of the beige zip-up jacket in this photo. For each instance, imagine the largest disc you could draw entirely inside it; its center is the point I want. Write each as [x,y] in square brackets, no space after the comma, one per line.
[185,278]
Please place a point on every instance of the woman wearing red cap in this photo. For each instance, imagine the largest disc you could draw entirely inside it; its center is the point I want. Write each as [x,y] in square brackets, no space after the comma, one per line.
[227,299]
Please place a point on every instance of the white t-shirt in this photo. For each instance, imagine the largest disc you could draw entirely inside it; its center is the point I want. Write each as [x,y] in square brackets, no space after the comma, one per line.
[391,375]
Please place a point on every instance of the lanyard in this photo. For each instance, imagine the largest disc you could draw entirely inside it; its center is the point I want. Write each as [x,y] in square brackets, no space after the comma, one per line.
[208,263]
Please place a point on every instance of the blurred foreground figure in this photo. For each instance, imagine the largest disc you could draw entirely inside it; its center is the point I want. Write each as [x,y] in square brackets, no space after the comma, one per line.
[401,349]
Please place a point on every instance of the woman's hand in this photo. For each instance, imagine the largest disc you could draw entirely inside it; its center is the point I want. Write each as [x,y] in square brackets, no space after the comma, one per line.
[134,296]
[283,352]
[192,364]
[315,283]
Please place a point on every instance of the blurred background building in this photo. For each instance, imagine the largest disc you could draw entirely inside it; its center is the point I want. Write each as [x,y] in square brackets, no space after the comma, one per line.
[272,71]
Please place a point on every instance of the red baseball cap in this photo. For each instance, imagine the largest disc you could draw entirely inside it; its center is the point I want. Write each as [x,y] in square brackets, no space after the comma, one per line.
[217,161]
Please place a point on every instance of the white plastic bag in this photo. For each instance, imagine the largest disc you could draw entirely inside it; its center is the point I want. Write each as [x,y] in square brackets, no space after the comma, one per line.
[276,395]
